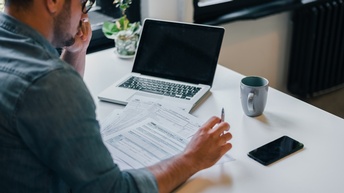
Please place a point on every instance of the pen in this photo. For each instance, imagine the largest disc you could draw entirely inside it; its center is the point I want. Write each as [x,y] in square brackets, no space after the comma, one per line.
[222,115]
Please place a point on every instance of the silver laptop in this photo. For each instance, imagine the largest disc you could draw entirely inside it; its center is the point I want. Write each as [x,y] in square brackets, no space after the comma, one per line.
[175,62]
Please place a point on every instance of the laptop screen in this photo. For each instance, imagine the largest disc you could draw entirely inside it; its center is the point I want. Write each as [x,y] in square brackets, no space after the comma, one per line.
[179,51]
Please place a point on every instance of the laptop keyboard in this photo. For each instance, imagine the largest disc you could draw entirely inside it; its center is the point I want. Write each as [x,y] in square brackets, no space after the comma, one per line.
[161,87]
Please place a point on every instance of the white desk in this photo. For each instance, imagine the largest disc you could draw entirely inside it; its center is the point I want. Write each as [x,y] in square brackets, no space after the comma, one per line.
[318,168]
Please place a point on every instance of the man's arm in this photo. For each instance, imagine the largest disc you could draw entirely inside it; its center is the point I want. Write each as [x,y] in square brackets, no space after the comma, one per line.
[206,147]
[75,55]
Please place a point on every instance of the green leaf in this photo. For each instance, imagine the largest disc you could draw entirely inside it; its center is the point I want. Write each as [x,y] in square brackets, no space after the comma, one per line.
[110,29]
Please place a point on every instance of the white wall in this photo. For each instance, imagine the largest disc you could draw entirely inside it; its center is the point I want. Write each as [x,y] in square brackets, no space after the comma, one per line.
[253,47]
[178,10]
[259,47]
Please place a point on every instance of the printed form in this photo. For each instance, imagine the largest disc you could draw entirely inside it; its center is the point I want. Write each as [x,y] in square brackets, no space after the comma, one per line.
[146,132]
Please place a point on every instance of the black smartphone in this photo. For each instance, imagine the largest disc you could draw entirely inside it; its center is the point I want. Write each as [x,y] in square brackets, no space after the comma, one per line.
[275,150]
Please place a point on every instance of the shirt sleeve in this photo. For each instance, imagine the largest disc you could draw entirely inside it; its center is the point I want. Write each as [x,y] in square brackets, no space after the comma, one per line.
[56,120]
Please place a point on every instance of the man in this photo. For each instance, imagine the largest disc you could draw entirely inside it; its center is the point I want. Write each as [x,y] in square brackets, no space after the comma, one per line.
[49,135]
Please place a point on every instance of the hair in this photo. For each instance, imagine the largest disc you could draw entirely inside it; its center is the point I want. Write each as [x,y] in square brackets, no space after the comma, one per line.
[19,3]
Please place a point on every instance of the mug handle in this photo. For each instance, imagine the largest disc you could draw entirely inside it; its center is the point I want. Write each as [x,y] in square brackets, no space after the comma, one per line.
[250,102]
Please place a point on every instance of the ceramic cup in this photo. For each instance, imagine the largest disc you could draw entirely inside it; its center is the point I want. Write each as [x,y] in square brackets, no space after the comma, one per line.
[253,93]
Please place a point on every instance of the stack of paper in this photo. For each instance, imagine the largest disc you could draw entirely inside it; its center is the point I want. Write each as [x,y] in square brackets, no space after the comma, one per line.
[146,132]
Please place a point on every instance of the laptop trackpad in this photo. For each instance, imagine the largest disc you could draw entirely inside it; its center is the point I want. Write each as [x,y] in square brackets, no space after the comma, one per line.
[162,100]
[145,96]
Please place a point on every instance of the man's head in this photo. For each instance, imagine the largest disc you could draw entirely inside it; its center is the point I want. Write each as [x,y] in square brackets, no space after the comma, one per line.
[65,21]
[58,20]
[61,24]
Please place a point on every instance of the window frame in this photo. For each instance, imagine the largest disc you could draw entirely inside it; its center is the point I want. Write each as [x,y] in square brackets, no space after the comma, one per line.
[239,9]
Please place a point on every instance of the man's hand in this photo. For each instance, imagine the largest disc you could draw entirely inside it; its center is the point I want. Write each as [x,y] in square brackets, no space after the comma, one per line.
[82,38]
[76,53]
[209,144]
[206,147]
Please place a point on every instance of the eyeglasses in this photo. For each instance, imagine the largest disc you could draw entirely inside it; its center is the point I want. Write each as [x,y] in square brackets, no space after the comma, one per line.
[87,5]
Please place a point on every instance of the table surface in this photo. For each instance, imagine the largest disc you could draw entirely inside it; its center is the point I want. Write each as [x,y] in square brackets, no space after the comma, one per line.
[317,168]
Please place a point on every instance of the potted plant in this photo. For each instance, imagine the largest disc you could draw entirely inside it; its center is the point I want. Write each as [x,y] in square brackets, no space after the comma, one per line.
[1,5]
[124,33]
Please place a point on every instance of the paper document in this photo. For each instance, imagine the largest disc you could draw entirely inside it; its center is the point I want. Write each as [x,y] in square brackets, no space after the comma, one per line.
[145,133]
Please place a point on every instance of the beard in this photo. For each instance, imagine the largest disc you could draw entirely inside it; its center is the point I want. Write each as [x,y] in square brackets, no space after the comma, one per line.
[61,27]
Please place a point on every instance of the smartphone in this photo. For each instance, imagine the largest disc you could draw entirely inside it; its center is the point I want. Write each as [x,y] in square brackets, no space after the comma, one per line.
[275,150]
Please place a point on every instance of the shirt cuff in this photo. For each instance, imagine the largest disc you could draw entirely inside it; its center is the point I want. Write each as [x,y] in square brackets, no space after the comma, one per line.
[145,180]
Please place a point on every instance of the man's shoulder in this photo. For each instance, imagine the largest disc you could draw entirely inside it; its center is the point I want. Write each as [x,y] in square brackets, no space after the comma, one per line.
[25,53]
[32,64]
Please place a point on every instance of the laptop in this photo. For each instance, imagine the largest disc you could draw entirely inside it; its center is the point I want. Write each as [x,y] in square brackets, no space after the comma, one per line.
[175,63]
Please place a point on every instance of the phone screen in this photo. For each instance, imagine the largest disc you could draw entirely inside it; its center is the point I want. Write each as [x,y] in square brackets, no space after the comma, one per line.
[275,150]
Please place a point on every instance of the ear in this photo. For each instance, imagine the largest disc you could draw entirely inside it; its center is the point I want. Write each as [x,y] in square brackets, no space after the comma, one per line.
[53,5]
